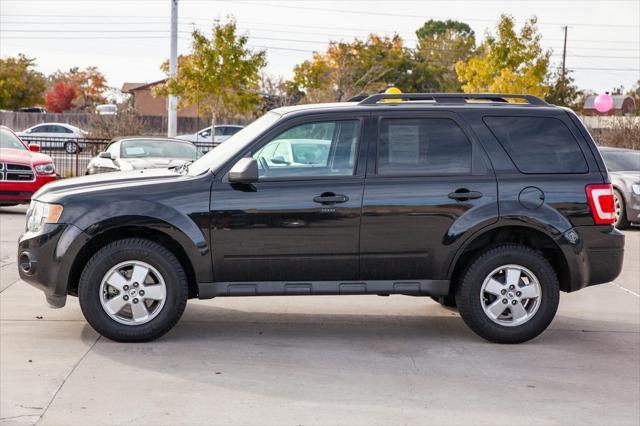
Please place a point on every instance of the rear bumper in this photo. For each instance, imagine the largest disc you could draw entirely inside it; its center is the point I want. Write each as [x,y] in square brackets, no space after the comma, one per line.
[45,259]
[595,257]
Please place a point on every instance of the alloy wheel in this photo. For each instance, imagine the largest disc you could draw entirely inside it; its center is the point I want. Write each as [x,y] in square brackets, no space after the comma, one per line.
[510,295]
[133,292]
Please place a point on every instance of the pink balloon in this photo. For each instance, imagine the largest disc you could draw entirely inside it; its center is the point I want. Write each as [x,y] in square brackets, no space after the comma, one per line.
[603,103]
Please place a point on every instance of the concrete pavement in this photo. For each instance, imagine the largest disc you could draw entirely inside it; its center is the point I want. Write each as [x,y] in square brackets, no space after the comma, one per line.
[319,360]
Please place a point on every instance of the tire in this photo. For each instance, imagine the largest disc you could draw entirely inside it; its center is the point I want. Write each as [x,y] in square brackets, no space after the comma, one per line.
[448,301]
[475,294]
[621,214]
[163,269]
[71,147]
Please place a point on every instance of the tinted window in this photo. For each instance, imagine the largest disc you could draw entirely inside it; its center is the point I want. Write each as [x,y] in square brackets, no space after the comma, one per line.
[311,149]
[228,131]
[41,129]
[538,144]
[420,146]
[622,161]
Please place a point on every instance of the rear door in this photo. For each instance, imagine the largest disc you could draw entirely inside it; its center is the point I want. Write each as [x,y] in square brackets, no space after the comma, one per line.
[428,185]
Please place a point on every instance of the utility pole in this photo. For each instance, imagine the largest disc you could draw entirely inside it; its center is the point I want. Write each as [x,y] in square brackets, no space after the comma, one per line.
[172,124]
[564,72]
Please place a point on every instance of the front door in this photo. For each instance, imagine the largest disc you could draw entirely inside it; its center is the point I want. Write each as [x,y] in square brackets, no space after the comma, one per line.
[301,220]
[428,186]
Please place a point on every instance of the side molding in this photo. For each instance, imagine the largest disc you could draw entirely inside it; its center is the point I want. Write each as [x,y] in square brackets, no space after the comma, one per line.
[317,288]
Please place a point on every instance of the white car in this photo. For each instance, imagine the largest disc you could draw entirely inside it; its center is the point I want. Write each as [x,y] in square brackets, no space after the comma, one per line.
[54,136]
[107,109]
[203,137]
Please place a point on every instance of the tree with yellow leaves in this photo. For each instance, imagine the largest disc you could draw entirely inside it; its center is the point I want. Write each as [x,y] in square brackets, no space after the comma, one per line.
[508,62]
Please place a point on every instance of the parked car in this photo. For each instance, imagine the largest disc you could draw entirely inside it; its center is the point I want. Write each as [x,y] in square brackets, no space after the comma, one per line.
[624,170]
[38,110]
[295,152]
[22,169]
[107,109]
[137,153]
[490,206]
[203,137]
[55,136]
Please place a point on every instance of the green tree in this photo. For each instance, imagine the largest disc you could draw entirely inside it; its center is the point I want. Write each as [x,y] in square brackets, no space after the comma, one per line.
[347,69]
[20,85]
[441,44]
[508,62]
[563,91]
[221,74]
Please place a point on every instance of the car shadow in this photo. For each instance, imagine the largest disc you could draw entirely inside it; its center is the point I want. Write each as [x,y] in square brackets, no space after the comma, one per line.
[258,352]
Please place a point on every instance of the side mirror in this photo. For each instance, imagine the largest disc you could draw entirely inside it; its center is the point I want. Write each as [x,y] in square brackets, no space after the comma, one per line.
[34,148]
[106,155]
[244,171]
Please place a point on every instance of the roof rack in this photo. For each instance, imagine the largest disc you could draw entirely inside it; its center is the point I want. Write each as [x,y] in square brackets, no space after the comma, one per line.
[451,98]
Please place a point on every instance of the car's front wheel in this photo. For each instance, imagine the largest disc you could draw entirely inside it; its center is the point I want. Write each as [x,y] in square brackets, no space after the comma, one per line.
[508,294]
[133,290]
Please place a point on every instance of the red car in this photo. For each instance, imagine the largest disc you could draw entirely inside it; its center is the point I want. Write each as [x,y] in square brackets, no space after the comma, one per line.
[23,170]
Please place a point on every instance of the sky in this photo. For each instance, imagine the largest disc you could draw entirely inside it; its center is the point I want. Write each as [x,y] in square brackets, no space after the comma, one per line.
[128,40]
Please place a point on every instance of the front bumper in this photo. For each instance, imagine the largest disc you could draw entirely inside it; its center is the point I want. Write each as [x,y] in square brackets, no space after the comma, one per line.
[632,208]
[45,259]
[594,257]
[21,192]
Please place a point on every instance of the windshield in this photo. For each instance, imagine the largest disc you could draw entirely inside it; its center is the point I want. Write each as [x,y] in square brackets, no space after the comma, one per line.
[142,148]
[624,161]
[9,140]
[217,157]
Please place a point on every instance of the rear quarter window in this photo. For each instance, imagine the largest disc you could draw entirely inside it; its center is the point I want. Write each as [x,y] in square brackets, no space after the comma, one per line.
[538,144]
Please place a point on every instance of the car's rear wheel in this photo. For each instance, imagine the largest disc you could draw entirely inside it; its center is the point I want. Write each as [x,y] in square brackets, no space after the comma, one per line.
[621,215]
[71,147]
[133,290]
[509,294]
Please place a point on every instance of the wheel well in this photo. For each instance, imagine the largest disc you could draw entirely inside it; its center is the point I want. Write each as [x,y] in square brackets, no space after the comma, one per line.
[520,235]
[101,240]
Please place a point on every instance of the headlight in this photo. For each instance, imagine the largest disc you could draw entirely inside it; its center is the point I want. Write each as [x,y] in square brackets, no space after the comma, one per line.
[636,188]
[40,213]
[45,169]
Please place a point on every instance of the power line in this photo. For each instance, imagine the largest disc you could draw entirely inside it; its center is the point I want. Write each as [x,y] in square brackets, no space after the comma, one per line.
[399,15]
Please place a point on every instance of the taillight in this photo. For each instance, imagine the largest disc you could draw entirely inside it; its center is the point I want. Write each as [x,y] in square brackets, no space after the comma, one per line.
[603,208]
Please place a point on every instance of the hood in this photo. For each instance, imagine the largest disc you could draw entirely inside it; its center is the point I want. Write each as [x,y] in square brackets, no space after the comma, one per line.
[20,156]
[93,184]
[151,163]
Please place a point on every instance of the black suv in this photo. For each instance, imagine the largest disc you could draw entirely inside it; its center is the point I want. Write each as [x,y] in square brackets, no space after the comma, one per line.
[490,203]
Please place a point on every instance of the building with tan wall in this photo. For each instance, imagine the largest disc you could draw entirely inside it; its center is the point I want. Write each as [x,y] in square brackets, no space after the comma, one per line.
[145,103]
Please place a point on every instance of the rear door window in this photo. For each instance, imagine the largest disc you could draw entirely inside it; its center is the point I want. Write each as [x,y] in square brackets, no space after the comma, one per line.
[538,144]
[423,146]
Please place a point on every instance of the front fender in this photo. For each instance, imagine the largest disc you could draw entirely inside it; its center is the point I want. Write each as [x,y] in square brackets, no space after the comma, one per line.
[186,230]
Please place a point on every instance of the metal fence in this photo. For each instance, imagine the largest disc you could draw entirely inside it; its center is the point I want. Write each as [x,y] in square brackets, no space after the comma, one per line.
[70,155]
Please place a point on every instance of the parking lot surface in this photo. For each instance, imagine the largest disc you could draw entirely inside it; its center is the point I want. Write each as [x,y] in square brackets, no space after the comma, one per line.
[319,360]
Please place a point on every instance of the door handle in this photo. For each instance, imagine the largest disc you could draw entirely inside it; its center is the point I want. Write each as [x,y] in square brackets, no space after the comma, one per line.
[330,198]
[464,194]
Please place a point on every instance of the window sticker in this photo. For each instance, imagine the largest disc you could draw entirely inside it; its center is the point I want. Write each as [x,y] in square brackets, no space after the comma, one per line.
[404,144]
[134,150]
